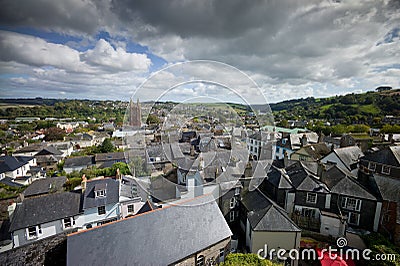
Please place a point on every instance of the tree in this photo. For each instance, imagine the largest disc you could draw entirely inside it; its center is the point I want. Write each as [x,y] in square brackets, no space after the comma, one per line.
[107,146]
[152,119]
[54,133]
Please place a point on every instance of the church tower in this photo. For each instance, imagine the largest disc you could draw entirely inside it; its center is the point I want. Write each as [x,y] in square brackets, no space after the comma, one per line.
[135,114]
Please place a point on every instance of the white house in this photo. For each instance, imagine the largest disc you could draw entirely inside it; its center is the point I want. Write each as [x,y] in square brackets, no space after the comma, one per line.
[40,217]
[15,166]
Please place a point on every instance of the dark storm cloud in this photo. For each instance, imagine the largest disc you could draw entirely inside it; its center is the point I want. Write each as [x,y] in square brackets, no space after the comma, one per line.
[71,16]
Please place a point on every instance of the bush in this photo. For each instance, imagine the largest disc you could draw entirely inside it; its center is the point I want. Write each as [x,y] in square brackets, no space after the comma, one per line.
[250,259]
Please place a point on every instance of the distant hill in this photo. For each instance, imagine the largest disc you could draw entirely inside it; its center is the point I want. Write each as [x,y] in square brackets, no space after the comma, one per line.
[367,105]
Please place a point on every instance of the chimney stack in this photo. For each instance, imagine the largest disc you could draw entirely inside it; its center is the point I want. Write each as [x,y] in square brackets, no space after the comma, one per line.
[83,183]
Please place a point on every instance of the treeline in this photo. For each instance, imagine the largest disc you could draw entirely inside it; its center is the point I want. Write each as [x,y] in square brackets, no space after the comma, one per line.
[350,108]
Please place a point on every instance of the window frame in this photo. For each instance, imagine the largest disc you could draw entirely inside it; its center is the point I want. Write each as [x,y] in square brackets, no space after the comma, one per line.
[232,203]
[370,164]
[71,223]
[100,193]
[311,194]
[349,218]
[232,216]
[357,204]
[102,207]
[130,206]
[38,232]
[386,172]
[200,260]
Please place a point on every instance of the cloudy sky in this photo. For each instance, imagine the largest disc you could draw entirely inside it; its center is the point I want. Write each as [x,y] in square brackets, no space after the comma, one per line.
[104,49]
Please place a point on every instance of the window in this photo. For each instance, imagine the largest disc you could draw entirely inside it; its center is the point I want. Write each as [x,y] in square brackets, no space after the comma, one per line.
[221,254]
[354,218]
[237,191]
[311,198]
[101,210]
[68,222]
[306,212]
[232,216]
[232,203]
[131,208]
[372,166]
[351,204]
[385,169]
[33,232]
[100,193]
[200,260]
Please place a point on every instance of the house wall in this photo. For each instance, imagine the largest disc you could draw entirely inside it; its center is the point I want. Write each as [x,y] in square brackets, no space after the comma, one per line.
[331,226]
[48,229]
[92,217]
[388,224]
[275,240]
[124,207]
[367,211]
[18,172]
[301,199]
[210,253]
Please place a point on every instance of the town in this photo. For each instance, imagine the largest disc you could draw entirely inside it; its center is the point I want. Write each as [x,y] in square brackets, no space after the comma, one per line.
[165,183]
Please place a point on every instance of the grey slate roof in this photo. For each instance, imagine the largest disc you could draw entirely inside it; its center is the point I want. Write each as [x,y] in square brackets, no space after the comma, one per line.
[148,206]
[79,161]
[159,237]
[389,189]
[278,179]
[49,150]
[266,215]
[349,155]
[11,163]
[39,210]
[46,185]
[388,156]
[303,179]
[343,183]
[112,193]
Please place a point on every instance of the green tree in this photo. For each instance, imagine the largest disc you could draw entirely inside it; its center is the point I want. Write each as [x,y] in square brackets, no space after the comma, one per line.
[107,146]
[152,119]
[54,133]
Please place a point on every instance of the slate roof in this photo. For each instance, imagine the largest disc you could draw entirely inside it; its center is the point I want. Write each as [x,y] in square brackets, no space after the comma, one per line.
[10,182]
[46,185]
[162,189]
[279,179]
[39,210]
[388,156]
[79,161]
[343,183]
[317,150]
[160,237]
[11,163]
[49,150]
[142,188]
[101,157]
[349,155]
[112,193]
[303,179]
[148,206]
[389,189]
[266,215]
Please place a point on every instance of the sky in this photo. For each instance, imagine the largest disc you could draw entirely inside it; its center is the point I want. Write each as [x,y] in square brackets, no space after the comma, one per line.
[105,49]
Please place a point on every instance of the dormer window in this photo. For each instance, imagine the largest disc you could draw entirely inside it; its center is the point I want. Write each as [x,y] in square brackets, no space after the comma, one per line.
[100,190]
[100,193]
